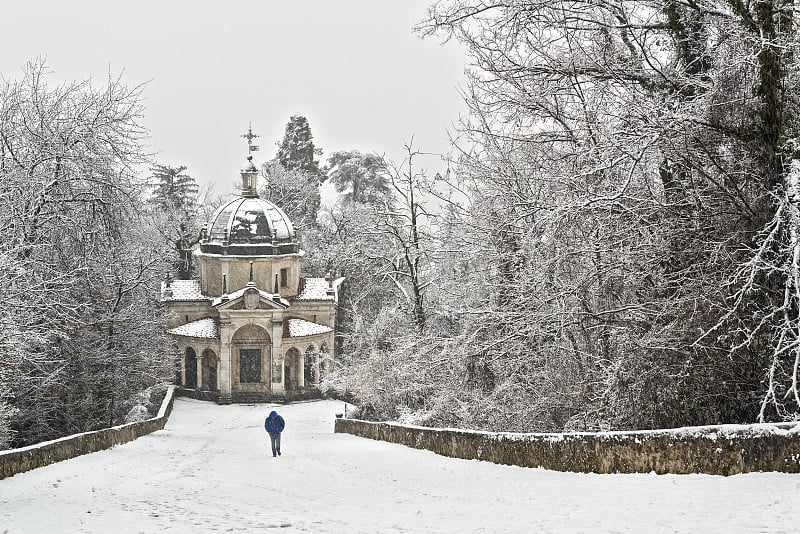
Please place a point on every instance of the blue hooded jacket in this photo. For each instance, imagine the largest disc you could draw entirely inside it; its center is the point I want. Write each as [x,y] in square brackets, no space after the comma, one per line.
[274,424]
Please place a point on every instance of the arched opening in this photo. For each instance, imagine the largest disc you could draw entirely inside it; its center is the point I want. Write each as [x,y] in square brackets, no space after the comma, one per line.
[250,355]
[190,368]
[310,366]
[210,370]
[291,369]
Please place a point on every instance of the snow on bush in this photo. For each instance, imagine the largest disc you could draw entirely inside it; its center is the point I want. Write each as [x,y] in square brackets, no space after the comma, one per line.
[7,412]
[137,414]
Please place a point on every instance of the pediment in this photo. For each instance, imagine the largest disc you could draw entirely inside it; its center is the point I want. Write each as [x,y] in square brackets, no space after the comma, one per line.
[250,298]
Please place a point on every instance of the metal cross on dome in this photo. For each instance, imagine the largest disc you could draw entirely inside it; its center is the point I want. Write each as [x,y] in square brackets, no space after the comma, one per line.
[250,136]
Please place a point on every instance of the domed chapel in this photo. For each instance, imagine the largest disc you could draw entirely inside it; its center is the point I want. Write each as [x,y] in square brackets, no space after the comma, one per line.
[252,328]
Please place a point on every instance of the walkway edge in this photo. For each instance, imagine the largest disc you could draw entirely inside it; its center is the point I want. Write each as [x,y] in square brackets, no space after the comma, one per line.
[14,461]
[714,450]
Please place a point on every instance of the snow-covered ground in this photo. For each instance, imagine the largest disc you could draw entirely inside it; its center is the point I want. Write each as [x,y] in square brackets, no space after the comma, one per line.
[210,470]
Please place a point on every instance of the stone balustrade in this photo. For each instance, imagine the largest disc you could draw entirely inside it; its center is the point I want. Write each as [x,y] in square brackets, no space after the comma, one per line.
[15,461]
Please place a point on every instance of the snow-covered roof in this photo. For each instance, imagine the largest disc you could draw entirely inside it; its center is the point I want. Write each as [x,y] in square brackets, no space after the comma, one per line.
[315,289]
[202,328]
[183,290]
[302,328]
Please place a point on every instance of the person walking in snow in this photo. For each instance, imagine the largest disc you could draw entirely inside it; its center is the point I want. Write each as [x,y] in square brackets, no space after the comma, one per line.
[274,425]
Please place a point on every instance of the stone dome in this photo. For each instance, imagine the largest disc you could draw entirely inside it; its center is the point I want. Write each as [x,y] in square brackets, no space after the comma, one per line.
[249,226]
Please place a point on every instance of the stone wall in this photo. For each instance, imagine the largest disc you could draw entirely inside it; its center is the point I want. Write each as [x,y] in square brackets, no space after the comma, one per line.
[20,460]
[245,397]
[717,450]
[197,394]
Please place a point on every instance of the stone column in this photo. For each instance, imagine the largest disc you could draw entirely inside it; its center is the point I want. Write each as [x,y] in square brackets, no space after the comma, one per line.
[331,355]
[224,368]
[199,372]
[301,372]
[183,366]
[277,355]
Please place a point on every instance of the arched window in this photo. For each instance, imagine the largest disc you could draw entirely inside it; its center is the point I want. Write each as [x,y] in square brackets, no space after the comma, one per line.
[190,366]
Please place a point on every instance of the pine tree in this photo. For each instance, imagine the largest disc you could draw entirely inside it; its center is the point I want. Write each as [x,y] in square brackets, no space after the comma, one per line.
[175,197]
[296,151]
[173,189]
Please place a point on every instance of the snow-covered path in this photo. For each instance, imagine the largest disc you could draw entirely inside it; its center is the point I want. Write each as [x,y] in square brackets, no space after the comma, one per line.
[210,470]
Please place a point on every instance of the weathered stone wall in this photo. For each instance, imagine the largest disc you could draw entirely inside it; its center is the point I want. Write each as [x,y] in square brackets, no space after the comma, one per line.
[20,460]
[717,450]
[203,395]
[245,397]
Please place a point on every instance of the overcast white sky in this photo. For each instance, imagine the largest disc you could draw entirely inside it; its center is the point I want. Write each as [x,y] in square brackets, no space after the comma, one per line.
[352,67]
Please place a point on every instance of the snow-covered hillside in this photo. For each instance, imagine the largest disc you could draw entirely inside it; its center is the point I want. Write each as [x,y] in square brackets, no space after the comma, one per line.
[210,470]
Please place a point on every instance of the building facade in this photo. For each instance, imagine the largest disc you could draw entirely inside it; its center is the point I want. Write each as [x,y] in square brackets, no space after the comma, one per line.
[252,328]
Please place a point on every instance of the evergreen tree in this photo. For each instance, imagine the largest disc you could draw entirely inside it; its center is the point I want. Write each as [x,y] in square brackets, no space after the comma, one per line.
[173,188]
[363,176]
[296,151]
[175,200]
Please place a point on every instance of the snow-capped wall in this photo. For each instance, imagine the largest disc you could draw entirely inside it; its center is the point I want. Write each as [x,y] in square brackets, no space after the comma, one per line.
[715,450]
[15,461]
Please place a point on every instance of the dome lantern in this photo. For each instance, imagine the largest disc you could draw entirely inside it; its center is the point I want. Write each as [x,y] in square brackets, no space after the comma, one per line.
[249,179]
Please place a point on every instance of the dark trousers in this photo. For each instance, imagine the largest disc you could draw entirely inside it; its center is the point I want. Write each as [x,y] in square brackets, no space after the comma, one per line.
[275,440]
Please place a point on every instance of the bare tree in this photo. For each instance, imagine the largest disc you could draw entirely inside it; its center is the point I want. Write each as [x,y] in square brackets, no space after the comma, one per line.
[403,220]
[630,159]
[81,268]
[295,190]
